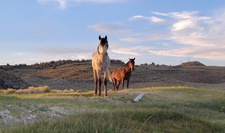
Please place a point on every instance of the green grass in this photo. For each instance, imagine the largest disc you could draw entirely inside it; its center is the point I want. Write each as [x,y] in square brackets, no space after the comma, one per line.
[162,109]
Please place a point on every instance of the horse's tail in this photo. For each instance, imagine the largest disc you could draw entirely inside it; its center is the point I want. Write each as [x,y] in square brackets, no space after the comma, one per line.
[110,76]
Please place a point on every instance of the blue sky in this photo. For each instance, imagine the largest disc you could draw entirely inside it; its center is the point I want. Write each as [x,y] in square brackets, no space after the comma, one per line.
[161,31]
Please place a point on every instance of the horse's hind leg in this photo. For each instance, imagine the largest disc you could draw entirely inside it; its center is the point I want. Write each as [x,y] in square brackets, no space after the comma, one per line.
[99,82]
[105,83]
[95,81]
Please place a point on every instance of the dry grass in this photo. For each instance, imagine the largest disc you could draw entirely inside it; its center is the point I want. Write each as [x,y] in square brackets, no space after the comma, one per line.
[38,90]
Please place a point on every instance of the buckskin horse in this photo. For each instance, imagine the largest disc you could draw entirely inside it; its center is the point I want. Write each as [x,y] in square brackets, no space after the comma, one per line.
[101,62]
[121,74]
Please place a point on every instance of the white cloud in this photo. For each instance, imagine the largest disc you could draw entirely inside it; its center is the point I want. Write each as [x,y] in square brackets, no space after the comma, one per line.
[152,19]
[197,52]
[203,36]
[138,17]
[134,51]
[177,15]
[132,40]
[188,35]
[108,28]
[160,14]
[157,20]
[129,50]
[62,3]
[125,51]
[183,24]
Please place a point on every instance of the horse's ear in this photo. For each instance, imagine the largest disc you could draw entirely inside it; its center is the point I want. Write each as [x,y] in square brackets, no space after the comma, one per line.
[134,58]
[99,37]
[106,37]
[129,59]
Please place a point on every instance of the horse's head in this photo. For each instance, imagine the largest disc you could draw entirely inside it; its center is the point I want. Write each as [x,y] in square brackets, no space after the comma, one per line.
[103,45]
[131,64]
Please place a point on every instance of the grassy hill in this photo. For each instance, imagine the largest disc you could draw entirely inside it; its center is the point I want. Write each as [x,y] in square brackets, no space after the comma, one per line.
[78,75]
[162,109]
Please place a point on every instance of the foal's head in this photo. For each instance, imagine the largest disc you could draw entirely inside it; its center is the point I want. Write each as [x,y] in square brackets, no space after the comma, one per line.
[103,45]
[131,64]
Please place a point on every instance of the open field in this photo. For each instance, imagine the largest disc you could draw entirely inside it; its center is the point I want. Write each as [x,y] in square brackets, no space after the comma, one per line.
[162,109]
[195,103]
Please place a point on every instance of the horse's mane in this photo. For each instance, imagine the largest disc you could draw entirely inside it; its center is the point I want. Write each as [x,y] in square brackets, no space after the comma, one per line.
[125,64]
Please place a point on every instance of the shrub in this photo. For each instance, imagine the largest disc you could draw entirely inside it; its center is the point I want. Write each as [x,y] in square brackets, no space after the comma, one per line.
[10,91]
[71,90]
[54,66]
[66,91]
[33,90]
[43,89]
[22,91]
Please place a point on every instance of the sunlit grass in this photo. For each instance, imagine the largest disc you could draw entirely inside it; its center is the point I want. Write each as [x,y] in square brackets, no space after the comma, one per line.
[162,109]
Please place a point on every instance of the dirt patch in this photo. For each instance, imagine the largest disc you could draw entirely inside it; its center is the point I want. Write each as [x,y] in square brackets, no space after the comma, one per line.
[25,114]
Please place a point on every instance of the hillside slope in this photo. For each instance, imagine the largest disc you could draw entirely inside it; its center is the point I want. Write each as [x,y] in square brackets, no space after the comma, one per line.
[78,75]
[8,80]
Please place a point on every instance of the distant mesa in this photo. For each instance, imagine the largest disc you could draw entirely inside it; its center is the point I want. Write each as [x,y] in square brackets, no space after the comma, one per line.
[192,63]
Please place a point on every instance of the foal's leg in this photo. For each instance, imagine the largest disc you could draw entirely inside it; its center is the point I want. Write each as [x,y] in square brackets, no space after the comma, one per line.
[117,86]
[105,82]
[114,84]
[128,81]
[122,86]
[99,82]
[95,81]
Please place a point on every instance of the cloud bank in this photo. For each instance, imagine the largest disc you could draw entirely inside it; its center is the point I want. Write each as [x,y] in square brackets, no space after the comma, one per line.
[191,34]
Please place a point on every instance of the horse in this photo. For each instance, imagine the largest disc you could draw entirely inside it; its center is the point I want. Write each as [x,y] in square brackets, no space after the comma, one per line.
[101,62]
[121,74]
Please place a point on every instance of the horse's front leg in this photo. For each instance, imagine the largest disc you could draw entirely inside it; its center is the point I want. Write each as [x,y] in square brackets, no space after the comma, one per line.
[99,82]
[105,82]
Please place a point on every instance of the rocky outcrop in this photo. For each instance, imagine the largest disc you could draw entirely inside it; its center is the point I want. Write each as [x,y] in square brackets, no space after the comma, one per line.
[8,80]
